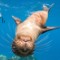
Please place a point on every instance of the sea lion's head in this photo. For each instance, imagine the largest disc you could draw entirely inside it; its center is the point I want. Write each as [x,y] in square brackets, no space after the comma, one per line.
[23,45]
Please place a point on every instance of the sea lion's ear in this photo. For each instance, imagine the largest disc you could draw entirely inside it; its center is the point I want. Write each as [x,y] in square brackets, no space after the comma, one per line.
[45,29]
[17,20]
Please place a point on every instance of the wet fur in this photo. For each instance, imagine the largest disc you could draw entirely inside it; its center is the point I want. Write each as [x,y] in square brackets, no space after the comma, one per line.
[29,30]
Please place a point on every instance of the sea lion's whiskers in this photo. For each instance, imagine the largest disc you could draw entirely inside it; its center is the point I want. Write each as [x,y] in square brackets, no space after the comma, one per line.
[45,38]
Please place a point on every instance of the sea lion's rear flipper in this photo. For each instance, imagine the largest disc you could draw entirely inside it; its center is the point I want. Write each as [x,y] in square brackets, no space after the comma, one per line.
[45,29]
[47,8]
[17,20]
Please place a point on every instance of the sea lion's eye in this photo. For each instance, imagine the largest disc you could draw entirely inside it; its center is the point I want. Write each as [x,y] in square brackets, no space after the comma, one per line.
[18,37]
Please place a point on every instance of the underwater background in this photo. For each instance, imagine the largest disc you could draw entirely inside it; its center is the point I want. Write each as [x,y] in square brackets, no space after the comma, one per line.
[47,45]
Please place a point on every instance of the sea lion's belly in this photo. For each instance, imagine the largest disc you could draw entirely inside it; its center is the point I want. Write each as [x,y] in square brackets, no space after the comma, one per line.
[29,29]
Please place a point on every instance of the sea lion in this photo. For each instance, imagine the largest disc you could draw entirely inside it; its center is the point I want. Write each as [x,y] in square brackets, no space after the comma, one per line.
[28,31]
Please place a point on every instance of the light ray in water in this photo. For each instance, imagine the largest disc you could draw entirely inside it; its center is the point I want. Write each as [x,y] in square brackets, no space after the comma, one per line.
[47,43]
[5,47]
[8,47]
[10,36]
[2,31]
[9,27]
[2,45]
[45,38]
[5,39]
[13,27]
[43,45]
[10,31]
[47,49]
[42,50]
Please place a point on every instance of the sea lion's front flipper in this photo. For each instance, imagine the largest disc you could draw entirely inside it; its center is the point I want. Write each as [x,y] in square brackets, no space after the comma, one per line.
[17,20]
[45,29]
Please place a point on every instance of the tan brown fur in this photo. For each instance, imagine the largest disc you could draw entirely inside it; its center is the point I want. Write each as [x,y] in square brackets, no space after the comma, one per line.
[28,31]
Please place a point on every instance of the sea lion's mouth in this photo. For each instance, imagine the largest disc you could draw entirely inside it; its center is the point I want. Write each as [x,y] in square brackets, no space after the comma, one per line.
[21,51]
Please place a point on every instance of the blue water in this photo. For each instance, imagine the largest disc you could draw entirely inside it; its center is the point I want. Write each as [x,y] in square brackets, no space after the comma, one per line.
[47,45]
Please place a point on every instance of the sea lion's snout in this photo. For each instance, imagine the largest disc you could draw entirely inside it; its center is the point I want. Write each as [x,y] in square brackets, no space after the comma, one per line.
[23,46]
